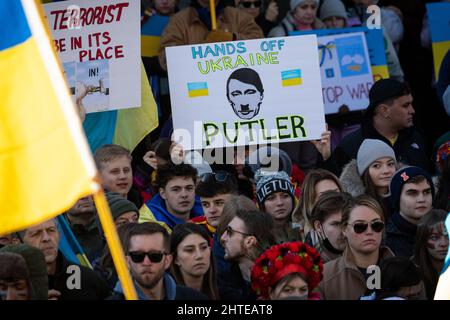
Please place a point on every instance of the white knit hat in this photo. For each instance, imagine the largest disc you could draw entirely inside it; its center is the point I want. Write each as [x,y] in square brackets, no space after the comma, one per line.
[370,151]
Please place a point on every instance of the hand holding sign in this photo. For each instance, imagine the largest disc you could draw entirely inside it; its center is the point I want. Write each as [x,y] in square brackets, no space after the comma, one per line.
[324,144]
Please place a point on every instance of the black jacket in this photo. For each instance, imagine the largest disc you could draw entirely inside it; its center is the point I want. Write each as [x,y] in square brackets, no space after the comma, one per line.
[409,147]
[92,286]
[401,236]
[232,285]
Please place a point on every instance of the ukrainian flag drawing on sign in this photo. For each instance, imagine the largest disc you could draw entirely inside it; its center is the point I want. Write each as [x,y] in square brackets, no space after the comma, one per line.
[45,163]
[291,78]
[197,89]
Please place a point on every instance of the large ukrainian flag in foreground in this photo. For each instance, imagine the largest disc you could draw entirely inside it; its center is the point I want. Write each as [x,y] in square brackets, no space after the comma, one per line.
[45,163]
[443,286]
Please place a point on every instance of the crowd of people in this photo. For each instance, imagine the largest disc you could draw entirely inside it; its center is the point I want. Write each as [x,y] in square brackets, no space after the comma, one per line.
[316,227]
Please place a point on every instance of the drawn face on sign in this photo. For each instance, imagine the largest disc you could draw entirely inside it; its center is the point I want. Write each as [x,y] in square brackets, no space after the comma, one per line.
[245,93]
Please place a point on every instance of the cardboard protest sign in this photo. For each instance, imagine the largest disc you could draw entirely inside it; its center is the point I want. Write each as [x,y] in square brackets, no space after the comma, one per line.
[99,46]
[345,71]
[375,45]
[439,21]
[246,92]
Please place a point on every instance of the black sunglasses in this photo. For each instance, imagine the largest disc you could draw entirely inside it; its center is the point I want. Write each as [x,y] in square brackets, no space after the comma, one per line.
[360,227]
[153,256]
[219,176]
[248,4]
[230,231]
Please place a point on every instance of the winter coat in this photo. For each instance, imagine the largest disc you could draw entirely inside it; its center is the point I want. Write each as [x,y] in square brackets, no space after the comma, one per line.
[185,28]
[342,280]
[155,210]
[401,236]
[288,25]
[173,291]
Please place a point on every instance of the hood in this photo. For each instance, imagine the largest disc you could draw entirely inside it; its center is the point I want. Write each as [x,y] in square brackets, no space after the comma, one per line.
[350,179]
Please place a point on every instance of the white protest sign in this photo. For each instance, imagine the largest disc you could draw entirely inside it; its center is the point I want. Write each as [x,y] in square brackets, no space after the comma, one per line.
[98,43]
[246,92]
[345,70]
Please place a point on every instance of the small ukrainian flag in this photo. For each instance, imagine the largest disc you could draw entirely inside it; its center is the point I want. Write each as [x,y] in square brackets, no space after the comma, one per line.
[197,89]
[291,78]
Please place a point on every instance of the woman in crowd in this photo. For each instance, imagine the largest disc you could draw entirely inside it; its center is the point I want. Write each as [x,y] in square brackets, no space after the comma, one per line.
[327,237]
[431,248]
[345,278]
[371,173]
[265,18]
[193,263]
[291,270]
[302,16]
[316,182]
[275,195]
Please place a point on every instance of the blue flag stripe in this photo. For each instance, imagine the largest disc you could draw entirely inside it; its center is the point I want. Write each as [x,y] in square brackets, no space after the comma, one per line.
[15,29]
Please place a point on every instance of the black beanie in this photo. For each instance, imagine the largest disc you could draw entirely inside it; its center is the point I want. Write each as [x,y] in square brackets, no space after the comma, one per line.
[119,205]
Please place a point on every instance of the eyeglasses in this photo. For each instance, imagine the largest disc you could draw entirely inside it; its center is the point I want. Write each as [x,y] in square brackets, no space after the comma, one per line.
[248,4]
[153,256]
[219,176]
[360,227]
[230,231]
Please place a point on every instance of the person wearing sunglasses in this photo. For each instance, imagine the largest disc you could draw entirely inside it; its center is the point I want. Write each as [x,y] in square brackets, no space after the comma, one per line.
[176,201]
[193,262]
[346,278]
[214,190]
[247,235]
[412,197]
[147,252]
[302,16]
[266,19]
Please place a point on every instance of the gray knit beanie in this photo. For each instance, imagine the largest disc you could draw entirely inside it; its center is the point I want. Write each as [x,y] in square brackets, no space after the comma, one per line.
[296,3]
[268,182]
[119,205]
[332,8]
[370,151]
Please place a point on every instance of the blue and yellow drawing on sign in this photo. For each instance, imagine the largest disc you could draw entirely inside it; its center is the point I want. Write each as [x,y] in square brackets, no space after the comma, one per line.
[197,89]
[352,61]
[291,78]
[325,49]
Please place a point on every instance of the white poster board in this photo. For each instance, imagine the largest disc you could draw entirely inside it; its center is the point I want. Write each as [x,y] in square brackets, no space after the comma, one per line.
[98,43]
[246,92]
[345,71]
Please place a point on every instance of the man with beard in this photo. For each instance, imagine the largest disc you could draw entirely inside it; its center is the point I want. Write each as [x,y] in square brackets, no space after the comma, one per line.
[245,238]
[147,248]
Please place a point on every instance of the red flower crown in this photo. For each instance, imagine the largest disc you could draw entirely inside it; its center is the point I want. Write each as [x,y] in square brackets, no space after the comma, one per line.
[280,260]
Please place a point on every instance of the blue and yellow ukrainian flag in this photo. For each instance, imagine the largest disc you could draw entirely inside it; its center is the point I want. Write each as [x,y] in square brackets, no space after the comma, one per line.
[69,245]
[443,286]
[438,14]
[45,162]
[151,32]
[197,89]
[125,127]
[291,78]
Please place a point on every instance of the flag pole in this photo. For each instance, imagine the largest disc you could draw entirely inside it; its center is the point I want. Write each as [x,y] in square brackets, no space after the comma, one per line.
[114,245]
[212,10]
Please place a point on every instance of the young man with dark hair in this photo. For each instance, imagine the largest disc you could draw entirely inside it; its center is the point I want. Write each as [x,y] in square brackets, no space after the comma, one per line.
[389,118]
[245,238]
[412,196]
[147,250]
[176,201]
[214,190]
